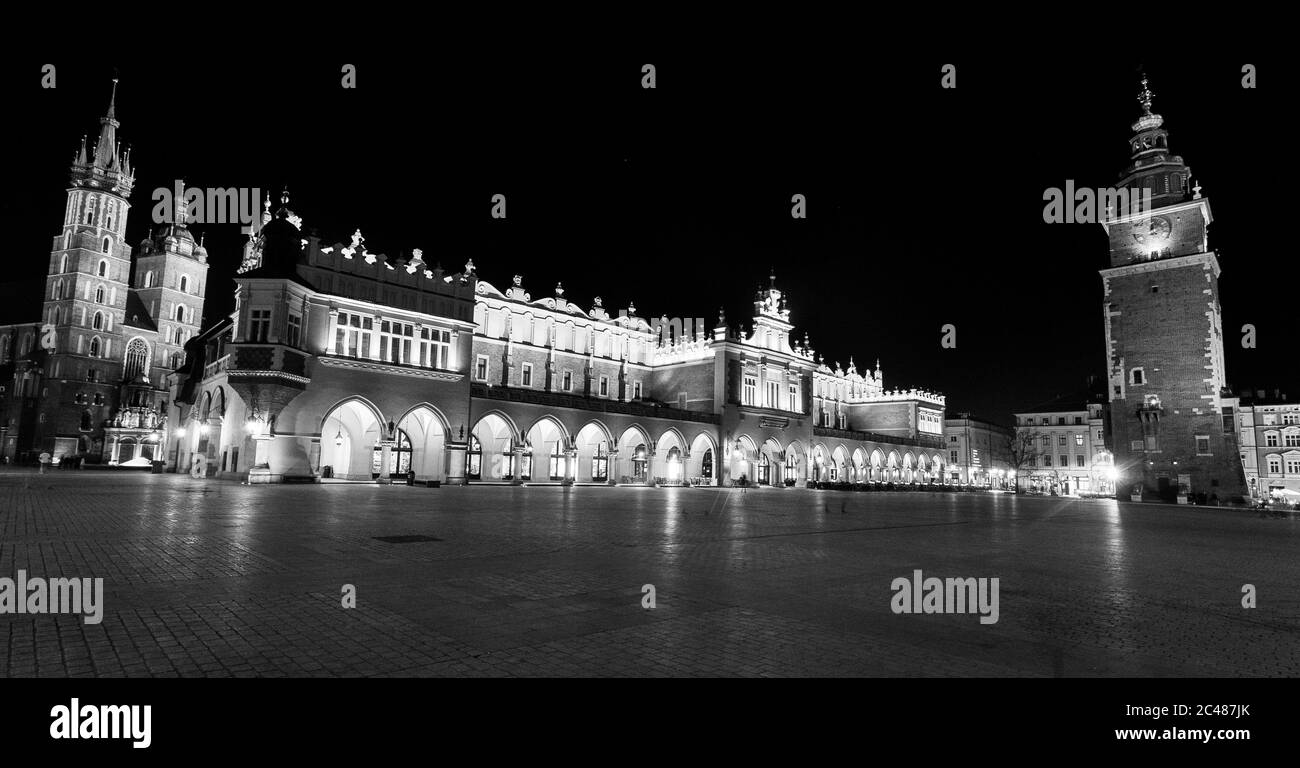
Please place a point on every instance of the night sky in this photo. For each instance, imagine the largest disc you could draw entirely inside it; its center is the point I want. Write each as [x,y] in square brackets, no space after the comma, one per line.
[924,205]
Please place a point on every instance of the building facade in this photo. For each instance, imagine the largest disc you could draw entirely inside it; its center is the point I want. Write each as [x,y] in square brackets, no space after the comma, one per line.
[342,364]
[1061,447]
[978,452]
[1173,418]
[1269,427]
[88,378]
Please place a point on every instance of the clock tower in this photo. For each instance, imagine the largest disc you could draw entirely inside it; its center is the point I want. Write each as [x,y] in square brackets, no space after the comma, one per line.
[1172,415]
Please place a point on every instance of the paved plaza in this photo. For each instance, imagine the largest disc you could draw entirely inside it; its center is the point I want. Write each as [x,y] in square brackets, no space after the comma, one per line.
[221,579]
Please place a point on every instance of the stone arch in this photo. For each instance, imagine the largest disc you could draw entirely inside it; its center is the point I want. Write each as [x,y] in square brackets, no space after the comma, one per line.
[840,463]
[594,444]
[491,448]
[547,453]
[859,465]
[818,460]
[796,462]
[350,431]
[702,465]
[669,461]
[634,446]
[426,428]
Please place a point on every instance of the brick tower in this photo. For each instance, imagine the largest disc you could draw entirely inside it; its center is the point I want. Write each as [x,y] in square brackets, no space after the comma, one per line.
[1173,418]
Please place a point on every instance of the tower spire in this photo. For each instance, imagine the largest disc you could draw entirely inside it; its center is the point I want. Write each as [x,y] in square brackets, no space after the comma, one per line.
[1144,96]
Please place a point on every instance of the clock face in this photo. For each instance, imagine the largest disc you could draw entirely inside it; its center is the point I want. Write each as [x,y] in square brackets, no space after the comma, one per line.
[1153,231]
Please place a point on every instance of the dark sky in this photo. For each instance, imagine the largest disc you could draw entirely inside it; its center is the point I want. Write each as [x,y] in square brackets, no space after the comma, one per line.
[924,205]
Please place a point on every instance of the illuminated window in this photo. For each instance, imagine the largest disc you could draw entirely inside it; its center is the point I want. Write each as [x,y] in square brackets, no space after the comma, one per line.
[526,375]
[295,329]
[750,391]
[259,327]
[481,368]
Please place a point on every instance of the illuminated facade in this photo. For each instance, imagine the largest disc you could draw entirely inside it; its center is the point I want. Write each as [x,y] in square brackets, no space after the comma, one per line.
[341,364]
[87,380]
[1065,448]
[1270,444]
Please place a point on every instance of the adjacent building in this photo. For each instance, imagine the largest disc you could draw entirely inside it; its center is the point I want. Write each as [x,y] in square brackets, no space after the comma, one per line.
[978,452]
[87,379]
[1269,427]
[1060,447]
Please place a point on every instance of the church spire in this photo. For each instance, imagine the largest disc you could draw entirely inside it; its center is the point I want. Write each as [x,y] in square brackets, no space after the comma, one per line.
[106,169]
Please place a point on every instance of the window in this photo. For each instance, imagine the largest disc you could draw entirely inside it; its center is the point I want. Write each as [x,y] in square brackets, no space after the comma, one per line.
[1293,465]
[1274,465]
[435,348]
[1078,460]
[94,347]
[1061,439]
[180,313]
[259,326]
[1047,441]
[568,381]
[1202,445]
[1291,440]
[395,342]
[1046,420]
[952,457]
[1078,419]
[604,386]
[179,338]
[1291,417]
[481,368]
[295,329]
[1100,436]
[63,264]
[106,245]
[1137,376]
[1060,421]
[599,463]
[137,359]
[750,391]
[99,294]
[1270,439]
[1047,460]
[773,395]
[843,421]
[794,397]
[352,337]
[526,375]
[185,284]
[636,390]
[1078,439]
[1065,461]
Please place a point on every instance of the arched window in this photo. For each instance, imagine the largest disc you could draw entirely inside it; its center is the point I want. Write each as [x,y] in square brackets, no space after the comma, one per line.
[148,279]
[639,462]
[474,459]
[98,323]
[178,359]
[94,347]
[180,336]
[99,294]
[57,293]
[137,357]
[103,266]
[63,264]
[185,283]
[107,244]
[180,313]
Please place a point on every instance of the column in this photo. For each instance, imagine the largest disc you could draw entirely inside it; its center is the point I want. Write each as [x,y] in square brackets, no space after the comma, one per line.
[570,466]
[331,343]
[519,465]
[649,467]
[455,469]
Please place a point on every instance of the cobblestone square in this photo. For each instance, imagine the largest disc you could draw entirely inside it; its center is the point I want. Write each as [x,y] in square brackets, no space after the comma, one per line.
[214,578]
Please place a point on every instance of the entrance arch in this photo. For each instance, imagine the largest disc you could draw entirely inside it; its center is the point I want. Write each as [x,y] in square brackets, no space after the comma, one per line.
[545,456]
[633,455]
[669,459]
[349,433]
[491,454]
[426,431]
[593,443]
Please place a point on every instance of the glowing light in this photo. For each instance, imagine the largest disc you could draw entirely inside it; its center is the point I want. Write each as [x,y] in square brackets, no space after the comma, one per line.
[180,431]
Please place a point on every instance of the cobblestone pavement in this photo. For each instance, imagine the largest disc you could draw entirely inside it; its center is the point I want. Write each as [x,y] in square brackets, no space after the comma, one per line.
[220,579]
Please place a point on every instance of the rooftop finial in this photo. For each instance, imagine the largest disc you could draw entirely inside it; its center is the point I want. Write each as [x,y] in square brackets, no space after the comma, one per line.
[772,276]
[1144,96]
[112,102]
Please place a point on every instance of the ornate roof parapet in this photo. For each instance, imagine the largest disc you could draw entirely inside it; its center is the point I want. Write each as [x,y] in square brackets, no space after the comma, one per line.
[598,311]
[901,395]
[516,291]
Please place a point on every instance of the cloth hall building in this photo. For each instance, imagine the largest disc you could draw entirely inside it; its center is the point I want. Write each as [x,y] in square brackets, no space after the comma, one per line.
[342,364]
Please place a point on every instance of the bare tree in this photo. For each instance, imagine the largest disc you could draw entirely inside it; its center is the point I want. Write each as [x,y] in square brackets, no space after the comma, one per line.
[1023,451]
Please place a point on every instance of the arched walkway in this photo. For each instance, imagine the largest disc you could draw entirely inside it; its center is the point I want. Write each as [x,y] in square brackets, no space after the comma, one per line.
[491,449]
[349,434]
[426,432]
[593,444]
[546,455]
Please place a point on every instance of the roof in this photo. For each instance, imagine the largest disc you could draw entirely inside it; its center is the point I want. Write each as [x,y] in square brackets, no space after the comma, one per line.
[137,314]
[1075,401]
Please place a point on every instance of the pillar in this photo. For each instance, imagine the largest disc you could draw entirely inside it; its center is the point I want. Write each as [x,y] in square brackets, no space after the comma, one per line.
[456,455]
